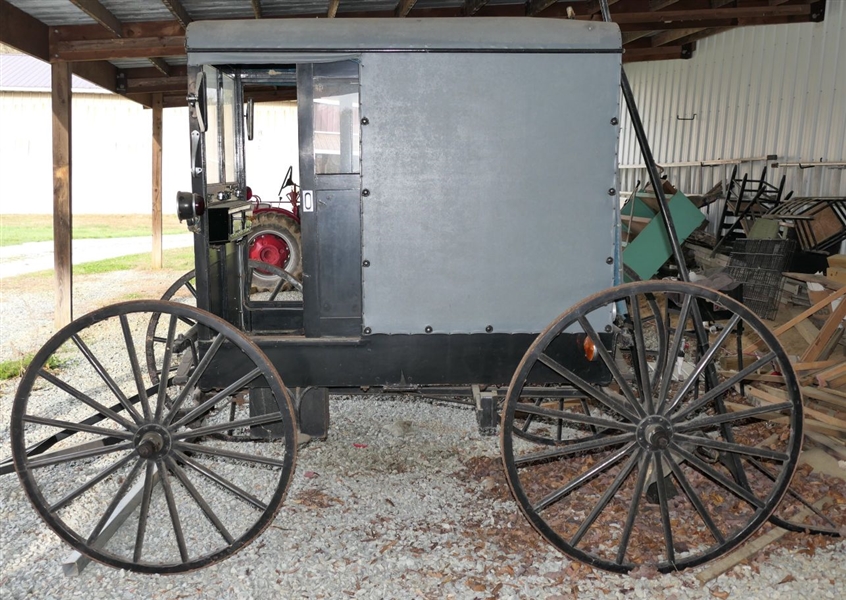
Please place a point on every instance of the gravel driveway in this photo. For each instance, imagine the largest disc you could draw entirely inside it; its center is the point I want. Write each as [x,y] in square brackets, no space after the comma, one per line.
[404,500]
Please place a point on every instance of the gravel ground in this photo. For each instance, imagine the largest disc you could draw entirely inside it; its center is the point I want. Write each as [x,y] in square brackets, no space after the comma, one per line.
[404,500]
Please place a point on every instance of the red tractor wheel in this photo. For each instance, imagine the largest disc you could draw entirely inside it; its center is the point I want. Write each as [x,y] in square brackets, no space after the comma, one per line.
[275,240]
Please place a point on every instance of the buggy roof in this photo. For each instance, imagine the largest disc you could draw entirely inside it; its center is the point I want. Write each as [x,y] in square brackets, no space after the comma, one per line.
[248,41]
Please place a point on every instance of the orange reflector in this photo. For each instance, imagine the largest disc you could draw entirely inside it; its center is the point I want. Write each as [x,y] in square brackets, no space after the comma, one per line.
[589,348]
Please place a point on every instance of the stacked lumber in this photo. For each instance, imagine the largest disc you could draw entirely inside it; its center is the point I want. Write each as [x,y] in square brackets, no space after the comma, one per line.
[821,369]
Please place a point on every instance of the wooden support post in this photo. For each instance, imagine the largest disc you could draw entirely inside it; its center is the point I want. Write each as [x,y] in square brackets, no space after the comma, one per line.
[62,220]
[157,181]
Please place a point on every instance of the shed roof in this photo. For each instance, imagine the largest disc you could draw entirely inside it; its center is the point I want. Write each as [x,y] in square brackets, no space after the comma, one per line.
[137,47]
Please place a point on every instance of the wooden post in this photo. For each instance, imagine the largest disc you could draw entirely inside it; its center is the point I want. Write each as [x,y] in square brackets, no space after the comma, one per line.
[157,181]
[62,220]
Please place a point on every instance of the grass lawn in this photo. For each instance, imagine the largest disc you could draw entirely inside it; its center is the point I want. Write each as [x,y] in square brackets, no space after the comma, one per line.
[179,259]
[19,229]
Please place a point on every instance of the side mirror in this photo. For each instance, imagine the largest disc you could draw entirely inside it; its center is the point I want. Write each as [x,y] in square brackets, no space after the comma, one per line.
[251,118]
[198,101]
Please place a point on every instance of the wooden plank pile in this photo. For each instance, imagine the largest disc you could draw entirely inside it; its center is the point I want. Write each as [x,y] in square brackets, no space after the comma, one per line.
[821,368]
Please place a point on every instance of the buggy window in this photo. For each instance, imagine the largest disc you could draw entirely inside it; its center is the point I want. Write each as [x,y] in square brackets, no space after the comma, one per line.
[336,119]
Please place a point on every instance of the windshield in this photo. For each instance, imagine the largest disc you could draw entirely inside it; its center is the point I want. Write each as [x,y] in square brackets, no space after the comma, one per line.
[220,132]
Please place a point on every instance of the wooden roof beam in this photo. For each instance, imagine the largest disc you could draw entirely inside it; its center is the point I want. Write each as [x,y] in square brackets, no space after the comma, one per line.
[535,7]
[471,7]
[141,29]
[161,65]
[256,8]
[630,36]
[333,8]
[594,7]
[118,48]
[23,32]
[178,11]
[660,4]
[712,14]
[404,7]
[662,39]
[662,53]
[101,14]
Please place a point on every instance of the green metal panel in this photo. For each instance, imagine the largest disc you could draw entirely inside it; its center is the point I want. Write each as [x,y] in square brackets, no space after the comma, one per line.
[651,248]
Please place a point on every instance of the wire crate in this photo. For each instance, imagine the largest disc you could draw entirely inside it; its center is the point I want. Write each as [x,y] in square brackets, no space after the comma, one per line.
[759,264]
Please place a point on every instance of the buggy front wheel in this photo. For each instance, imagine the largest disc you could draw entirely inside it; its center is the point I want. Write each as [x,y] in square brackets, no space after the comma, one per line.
[134,473]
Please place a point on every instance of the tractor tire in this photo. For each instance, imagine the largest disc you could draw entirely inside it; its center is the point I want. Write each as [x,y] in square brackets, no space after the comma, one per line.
[284,229]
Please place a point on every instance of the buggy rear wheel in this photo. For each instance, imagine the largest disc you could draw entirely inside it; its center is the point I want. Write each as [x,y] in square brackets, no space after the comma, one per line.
[135,475]
[662,467]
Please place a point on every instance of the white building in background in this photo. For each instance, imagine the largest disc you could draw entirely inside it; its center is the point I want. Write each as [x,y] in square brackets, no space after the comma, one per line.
[112,146]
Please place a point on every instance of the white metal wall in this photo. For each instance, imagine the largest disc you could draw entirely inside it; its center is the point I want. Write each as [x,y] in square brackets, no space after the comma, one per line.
[112,153]
[756,91]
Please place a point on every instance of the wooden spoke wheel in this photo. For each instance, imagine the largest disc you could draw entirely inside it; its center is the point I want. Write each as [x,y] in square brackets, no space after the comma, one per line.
[134,474]
[675,461]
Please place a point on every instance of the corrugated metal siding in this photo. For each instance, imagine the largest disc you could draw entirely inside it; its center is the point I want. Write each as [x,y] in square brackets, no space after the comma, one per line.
[755,91]
[54,12]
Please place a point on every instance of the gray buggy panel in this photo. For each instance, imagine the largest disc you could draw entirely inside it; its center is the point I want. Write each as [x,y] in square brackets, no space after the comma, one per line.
[307,40]
[488,179]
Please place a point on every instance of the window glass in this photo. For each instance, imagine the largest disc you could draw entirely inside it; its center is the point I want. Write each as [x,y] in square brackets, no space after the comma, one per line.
[229,124]
[212,129]
[337,141]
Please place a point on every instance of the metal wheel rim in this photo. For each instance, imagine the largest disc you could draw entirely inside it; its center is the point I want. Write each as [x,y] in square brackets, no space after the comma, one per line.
[270,280]
[24,467]
[770,503]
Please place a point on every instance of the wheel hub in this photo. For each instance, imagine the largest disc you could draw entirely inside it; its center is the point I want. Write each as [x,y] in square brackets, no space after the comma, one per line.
[655,432]
[152,441]
[270,249]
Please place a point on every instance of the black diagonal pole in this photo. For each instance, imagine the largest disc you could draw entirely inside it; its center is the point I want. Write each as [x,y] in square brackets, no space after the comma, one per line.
[649,161]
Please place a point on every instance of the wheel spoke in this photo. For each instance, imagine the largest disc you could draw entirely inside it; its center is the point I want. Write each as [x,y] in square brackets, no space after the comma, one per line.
[672,353]
[204,506]
[582,479]
[69,389]
[277,288]
[191,289]
[694,498]
[572,417]
[662,503]
[136,369]
[263,460]
[642,370]
[632,514]
[603,397]
[611,365]
[733,448]
[528,420]
[717,477]
[211,402]
[122,435]
[163,381]
[107,379]
[705,360]
[222,481]
[63,456]
[252,421]
[605,498]
[174,513]
[68,498]
[144,513]
[717,391]
[612,440]
[739,415]
[95,533]
[195,377]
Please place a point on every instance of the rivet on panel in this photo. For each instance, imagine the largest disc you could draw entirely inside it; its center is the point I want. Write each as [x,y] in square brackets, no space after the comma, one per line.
[428,329]
[366,263]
